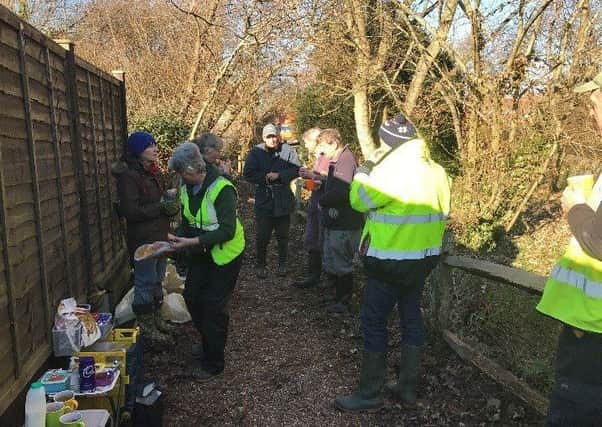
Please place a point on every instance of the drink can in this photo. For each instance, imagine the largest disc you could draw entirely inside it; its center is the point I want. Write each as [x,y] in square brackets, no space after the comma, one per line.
[87,375]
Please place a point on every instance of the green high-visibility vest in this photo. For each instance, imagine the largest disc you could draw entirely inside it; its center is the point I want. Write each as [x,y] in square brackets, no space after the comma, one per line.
[206,220]
[573,292]
[407,199]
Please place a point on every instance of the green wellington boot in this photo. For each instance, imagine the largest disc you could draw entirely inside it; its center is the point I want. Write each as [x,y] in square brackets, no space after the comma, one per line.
[368,396]
[405,387]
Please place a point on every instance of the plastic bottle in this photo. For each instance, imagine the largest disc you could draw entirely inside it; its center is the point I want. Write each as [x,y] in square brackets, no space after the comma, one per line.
[74,374]
[35,406]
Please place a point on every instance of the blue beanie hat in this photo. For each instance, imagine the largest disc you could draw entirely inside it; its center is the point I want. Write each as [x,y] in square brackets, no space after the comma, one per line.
[140,141]
[396,131]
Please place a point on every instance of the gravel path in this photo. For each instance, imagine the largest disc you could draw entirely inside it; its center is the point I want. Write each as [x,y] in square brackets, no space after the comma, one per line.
[286,360]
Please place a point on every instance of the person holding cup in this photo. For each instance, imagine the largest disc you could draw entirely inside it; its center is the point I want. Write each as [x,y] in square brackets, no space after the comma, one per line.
[342,225]
[312,239]
[573,295]
[271,166]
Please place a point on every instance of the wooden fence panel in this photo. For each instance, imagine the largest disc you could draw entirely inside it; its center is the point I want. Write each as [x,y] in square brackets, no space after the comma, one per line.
[62,124]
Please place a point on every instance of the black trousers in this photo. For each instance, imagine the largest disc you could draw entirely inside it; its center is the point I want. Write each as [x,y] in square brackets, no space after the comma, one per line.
[207,293]
[576,398]
[265,225]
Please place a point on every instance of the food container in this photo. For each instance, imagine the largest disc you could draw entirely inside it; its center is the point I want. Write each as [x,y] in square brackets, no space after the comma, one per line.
[55,380]
[66,342]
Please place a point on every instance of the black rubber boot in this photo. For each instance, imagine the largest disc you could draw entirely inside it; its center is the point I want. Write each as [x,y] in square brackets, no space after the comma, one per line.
[368,396]
[405,387]
[314,270]
[343,290]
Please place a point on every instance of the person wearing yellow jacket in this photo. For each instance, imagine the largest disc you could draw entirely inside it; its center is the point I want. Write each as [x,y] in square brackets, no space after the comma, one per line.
[406,197]
[213,241]
[573,295]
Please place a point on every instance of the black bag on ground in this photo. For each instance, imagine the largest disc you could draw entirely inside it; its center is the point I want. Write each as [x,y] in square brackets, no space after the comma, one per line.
[149,416]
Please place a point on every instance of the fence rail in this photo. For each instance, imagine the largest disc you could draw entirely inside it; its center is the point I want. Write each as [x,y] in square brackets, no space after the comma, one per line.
[62,123]
[529,282]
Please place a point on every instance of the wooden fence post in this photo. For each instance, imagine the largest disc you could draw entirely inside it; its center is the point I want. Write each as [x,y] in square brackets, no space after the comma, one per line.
[443,295]
[33,166]
[120,75]
[78,153]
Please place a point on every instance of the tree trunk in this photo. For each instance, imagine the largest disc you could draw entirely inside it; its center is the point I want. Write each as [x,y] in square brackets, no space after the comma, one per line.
[429,56]
[361,112]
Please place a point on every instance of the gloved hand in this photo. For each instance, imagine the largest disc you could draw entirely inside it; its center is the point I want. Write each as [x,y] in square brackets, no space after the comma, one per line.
[373,159]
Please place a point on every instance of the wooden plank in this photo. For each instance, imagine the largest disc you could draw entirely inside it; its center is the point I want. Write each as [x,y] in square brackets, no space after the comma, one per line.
[530,282]
[37,359]
[78,156]
[8,273]
[96,172]
[442,292]
[497,373]
[36,189]
[59,170]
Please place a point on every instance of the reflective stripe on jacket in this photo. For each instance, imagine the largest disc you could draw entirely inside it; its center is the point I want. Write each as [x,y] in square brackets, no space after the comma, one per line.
[573,292]
[407,198]
[206,219]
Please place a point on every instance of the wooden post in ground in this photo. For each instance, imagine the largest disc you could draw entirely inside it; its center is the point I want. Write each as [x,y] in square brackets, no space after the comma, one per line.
[120,75]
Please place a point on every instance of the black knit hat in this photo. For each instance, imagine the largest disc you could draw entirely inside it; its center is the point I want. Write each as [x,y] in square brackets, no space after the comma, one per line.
[396,131]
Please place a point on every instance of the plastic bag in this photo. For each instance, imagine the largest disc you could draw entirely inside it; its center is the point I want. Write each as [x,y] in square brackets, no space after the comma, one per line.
[171,282]
[123,311]
[174,309]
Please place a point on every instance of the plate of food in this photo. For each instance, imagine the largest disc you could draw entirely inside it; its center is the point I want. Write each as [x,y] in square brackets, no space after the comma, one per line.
[150,250]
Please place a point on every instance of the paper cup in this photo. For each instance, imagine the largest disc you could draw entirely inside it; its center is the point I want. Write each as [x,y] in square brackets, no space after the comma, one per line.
[581,183]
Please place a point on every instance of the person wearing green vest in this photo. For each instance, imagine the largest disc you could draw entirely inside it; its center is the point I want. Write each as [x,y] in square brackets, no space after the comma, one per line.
[406,197]
[213,239]
[573,295]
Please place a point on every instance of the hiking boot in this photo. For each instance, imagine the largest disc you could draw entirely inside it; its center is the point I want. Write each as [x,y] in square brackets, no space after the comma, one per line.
[282,270]
[199,374]
[404,388]
[314,270]
[368,395]
[337,308]
[196,351]
[306,283]
[261,272]
[152,336]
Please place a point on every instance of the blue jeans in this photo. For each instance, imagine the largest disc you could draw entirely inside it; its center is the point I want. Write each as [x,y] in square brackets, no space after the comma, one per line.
[381,297]
[148,276]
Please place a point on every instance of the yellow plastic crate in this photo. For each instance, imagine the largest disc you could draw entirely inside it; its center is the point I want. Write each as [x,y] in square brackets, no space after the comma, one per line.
[129,335]
[106,353]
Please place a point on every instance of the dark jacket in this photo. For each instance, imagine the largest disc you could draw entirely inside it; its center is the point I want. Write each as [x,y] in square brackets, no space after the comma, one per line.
[337,213]
[586,226]
[276,198]
[140,194]
[225,209]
